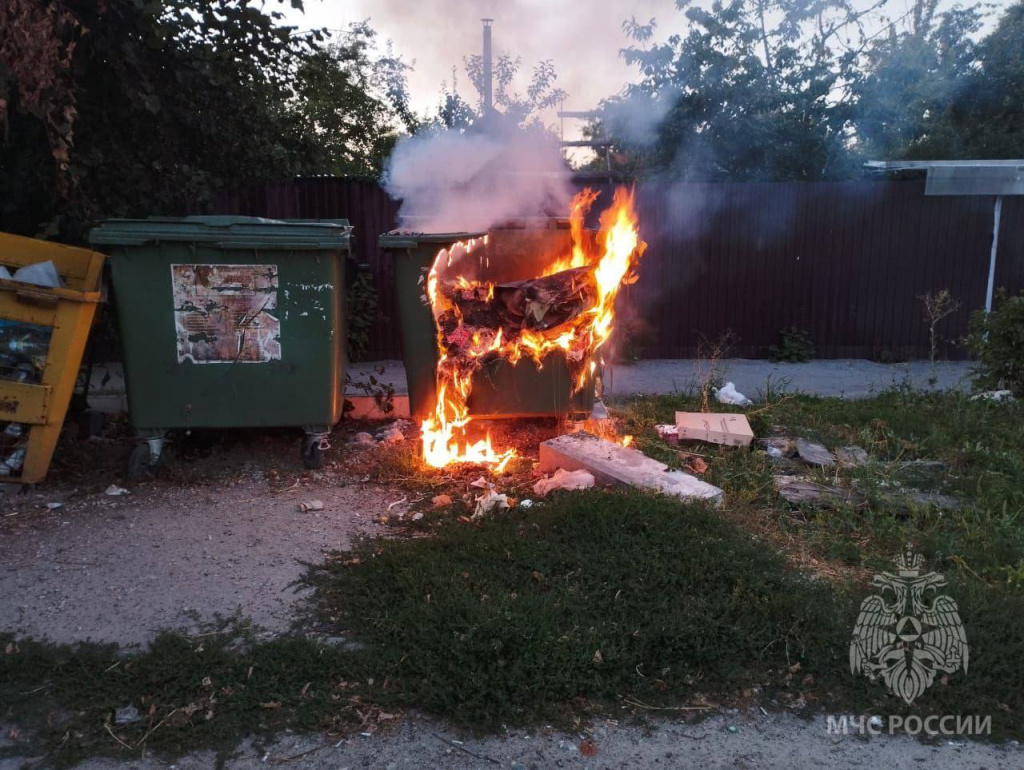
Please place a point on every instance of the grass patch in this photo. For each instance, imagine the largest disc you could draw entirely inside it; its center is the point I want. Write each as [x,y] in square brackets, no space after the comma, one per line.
[592,596]
[191,693]
[593,602]
[501,623]
[980,446]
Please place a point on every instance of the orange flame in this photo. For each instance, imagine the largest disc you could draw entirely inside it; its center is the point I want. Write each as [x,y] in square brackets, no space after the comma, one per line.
[618,247]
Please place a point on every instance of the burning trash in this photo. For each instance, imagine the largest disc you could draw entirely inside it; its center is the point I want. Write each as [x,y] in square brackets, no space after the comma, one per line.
[565,307]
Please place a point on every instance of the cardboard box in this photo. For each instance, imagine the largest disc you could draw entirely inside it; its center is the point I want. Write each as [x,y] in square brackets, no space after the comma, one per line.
[728,429]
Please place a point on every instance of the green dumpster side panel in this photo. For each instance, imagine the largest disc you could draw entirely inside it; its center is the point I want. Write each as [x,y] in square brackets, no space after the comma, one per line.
[500,389]
[299,382]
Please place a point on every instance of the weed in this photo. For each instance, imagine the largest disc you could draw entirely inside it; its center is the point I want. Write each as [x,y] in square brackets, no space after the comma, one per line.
[707,366]
[936,307]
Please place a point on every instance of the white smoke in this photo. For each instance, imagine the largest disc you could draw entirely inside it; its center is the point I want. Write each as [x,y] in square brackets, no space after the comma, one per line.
[453,181]
[635,117]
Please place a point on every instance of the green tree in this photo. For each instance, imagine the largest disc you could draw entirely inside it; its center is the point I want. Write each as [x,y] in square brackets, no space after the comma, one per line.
[519,107]
[132,108]
[511,107]
[985,116]
[353,103]
[759,89]
[174,100]
[912,76]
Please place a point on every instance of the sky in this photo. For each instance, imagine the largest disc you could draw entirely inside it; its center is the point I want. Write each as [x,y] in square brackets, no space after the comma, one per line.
[583,38]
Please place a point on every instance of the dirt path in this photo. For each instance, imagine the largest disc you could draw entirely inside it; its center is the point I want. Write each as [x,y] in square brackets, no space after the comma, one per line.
[121,568]
[758,743]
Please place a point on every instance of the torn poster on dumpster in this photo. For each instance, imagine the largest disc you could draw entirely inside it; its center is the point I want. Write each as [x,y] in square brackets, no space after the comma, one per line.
[224,314]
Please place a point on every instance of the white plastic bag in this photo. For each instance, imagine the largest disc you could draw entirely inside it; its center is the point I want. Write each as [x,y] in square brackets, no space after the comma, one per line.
[728,394]
[563,479]
[39,274]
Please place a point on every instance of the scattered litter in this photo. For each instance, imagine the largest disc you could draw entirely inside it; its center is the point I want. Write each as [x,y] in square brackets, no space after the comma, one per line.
[852,456]
[876,721]
[126,715]
[669,433]
[611,463]
[598,658]
[727,394]
[563,479]
[732,729]
[490,501]
[14,462]
[728,429]
[814,454]
[394,433]
[312,505]
[54,506]
[994,395]
[778,447]
[696,464]
[398,502]
[588,749]
[441,501]
[526,503]
[365,439]
[115,491]
[417,516]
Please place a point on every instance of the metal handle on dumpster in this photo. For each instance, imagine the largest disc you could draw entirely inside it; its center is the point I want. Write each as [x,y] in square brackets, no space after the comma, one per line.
[263,245]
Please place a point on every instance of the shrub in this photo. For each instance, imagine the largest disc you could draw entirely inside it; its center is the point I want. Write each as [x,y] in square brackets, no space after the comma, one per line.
[361,316]
[997,340]
[794,346]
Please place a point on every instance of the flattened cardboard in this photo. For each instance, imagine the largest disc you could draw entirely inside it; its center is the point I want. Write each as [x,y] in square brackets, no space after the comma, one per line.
[728,429]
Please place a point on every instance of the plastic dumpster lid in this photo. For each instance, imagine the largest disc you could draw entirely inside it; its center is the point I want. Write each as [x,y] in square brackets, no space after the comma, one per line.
[407,239]
[225,231]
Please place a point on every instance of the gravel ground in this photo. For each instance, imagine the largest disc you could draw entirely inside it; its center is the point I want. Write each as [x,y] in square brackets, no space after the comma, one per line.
[759,742]
[847,378]
[121,568]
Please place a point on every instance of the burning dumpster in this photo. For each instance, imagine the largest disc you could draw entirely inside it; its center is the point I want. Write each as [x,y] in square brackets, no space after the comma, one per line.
[518,317]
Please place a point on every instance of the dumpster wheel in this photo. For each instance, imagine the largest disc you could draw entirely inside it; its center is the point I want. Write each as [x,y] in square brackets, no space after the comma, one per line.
[146,458]
[313,446]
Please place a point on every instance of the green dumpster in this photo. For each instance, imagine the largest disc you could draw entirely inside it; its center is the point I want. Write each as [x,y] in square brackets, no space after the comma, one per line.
[500,389]
[229,322]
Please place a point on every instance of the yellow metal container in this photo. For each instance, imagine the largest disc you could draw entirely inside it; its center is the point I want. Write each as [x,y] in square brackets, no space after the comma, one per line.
[65,315]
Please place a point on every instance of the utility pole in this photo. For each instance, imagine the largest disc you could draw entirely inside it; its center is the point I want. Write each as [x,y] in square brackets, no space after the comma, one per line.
[488,88]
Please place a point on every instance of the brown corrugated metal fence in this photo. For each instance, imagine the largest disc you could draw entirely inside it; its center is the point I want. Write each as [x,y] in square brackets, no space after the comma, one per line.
[846,261]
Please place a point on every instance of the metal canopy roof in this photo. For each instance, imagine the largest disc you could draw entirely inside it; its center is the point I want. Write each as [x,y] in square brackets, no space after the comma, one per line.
[962,177]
